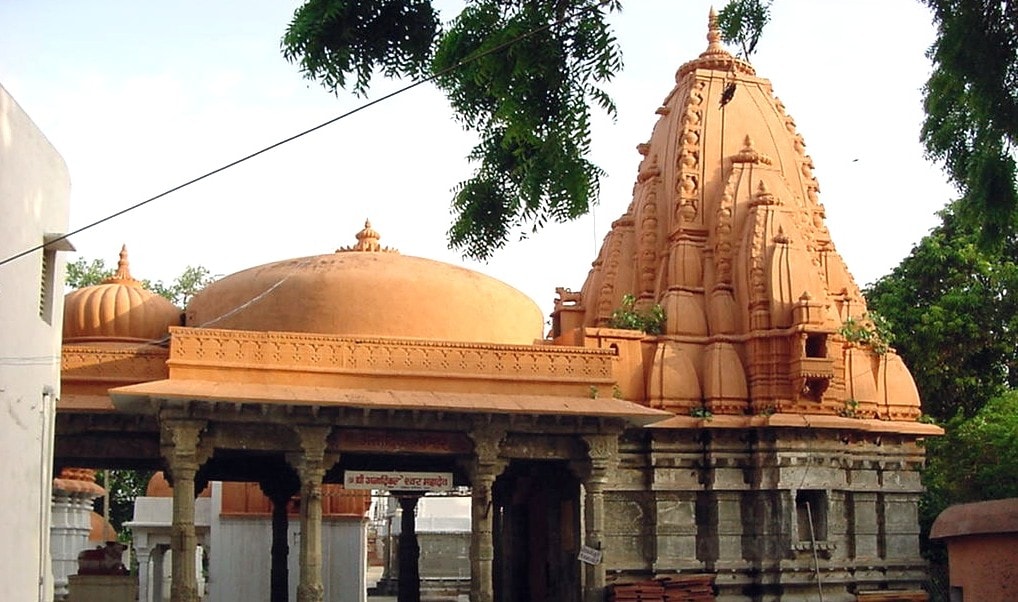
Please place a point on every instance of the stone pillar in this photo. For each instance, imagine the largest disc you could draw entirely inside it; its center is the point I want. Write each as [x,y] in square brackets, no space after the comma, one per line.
[487,465]
[279,490]
[409,551]
[180,441]
[602,454]
[311,465]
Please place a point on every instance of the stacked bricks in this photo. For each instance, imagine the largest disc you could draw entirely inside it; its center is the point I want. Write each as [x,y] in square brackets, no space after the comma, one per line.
[666,588]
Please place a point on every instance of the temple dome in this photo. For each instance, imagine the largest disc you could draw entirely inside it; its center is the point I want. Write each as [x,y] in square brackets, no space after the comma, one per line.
[369,291]
[118,309]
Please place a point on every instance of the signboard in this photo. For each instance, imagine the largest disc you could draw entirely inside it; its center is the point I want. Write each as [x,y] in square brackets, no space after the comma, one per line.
[397,480]
[590,555]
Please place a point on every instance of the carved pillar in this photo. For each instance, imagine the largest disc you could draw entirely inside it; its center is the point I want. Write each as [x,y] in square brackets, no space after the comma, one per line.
[311,465]
[602,453]
[409,552]
[487,465]
[180,447]
[279,490]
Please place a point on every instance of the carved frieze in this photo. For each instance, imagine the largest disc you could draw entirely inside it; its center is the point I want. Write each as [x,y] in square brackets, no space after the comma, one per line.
[127,363]
[324,353]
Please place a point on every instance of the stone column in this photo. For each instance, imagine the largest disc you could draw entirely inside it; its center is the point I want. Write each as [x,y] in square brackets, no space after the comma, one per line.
[409,551]
[311,465]
[487,465]
[279,490]
[180,442]
[602,453]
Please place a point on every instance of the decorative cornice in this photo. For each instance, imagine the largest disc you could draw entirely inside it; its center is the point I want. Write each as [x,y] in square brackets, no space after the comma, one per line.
[231,349]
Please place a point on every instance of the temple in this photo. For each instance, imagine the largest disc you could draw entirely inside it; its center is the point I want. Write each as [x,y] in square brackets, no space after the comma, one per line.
[751,435]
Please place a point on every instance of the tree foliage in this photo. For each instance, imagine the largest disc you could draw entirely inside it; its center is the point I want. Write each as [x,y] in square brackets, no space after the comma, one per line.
[629,317]
[742,23]
[975,460]
[82,273]
[123,486]
[521,73]
[971,103]
[334,40]
[954,318]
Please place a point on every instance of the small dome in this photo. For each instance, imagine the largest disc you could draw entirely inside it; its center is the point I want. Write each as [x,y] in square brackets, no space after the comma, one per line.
[368,290]
[158,486]
[100,530]
[119,309]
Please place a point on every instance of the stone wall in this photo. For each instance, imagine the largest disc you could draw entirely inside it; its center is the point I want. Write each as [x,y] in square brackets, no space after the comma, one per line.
[738,503]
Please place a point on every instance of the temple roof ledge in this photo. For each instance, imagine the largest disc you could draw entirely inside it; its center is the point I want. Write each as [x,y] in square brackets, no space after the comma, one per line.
[810,421]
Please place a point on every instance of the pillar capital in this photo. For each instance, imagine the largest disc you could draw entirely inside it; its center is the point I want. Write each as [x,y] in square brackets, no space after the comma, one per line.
[312,461]
[487,450]
[181,443]
[602,458]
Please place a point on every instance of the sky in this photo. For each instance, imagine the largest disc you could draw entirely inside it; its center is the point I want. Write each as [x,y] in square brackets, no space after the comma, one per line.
[139,97]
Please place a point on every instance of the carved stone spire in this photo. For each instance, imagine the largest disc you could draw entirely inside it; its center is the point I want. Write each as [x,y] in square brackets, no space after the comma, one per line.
[713,36]
[715,57]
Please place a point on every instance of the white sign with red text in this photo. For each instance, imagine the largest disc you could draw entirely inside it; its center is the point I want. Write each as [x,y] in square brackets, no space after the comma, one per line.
[397,480]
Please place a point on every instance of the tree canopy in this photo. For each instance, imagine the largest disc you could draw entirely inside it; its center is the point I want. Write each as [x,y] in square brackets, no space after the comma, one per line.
[521,73]
[971,103]
[953,316]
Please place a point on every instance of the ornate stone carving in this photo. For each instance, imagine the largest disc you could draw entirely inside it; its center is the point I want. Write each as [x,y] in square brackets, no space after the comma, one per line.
[127,363]
[367,241]
[226,349]
[687,187]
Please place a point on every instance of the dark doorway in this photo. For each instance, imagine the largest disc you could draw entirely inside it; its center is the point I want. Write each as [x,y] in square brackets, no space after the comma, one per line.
[536,533]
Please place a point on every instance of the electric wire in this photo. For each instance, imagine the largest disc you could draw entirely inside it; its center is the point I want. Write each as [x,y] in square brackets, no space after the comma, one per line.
[297,265]
[312,129]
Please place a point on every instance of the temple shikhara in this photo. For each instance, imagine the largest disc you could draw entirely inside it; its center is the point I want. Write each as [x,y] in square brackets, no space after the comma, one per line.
[755,443]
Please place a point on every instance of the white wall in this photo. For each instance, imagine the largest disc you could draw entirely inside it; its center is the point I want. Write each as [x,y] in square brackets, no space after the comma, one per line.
[240,558]
[34,191]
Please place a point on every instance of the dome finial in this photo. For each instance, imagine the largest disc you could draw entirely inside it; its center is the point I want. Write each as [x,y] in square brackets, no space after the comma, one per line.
[367,240]
[123,273]
[713,35]
[715,57]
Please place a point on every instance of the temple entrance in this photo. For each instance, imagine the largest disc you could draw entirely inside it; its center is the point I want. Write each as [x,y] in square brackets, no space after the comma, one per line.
[536,525]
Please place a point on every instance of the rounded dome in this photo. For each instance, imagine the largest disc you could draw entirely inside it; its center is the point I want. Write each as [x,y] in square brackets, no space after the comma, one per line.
[99,529]
[119,308]
[367,290]
[158,486]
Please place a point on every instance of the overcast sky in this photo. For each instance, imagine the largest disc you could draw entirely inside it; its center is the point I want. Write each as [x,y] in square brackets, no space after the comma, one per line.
[141,96]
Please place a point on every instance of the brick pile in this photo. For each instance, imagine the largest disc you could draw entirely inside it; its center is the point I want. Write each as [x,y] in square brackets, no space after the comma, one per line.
[667,588]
